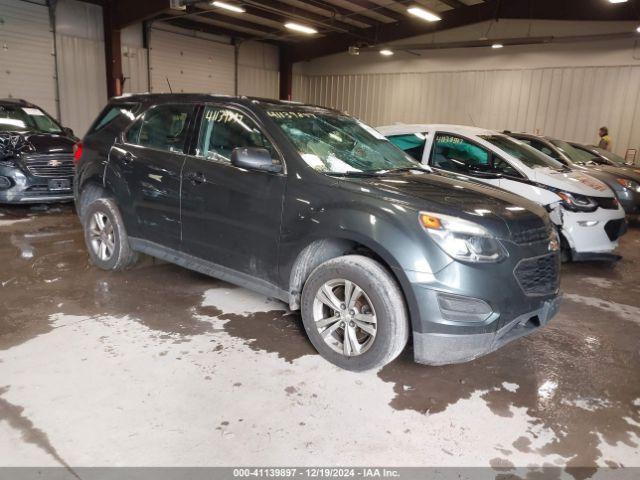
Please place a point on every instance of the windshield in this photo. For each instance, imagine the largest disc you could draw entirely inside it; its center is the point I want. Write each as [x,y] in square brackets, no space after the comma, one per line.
[334,143]
[528,155]
[17,118]
[576,155]
[612,157]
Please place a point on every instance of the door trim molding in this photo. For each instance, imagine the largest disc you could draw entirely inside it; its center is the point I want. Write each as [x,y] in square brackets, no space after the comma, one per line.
[209,268]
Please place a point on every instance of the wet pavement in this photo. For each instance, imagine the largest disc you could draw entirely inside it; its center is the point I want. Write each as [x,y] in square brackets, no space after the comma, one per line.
[162,366]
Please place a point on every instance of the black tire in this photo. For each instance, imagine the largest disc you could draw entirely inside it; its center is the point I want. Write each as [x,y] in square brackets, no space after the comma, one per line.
[565,250]
[90,193]
[392,330]
[122,255]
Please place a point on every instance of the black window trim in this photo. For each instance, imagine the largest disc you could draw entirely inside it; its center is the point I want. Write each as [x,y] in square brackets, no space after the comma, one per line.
[244,111]
[492,155]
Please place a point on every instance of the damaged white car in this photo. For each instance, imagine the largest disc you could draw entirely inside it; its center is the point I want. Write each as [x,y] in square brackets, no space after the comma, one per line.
[589,218]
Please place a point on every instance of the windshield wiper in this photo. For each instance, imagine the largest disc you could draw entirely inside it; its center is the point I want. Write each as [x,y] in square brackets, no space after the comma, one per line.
[353,174]
[402,169]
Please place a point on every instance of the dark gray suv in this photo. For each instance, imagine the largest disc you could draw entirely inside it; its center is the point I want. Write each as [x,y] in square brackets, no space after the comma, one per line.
[315,208]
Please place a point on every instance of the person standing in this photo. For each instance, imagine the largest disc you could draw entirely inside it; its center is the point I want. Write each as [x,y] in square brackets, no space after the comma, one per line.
[605,139]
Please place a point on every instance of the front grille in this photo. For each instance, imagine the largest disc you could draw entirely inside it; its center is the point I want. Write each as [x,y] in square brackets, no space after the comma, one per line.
[539,275]
[51,166]
[615,228]
[606,203]
[532,235]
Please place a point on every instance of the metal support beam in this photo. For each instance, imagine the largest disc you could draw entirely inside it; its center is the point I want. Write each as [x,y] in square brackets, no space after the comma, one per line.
[113,51]
[127,12]
[286,74]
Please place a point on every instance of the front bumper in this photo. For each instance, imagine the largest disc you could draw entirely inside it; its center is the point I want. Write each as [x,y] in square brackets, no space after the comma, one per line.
[443,349]
[593,232]
[497,304]
[25,188]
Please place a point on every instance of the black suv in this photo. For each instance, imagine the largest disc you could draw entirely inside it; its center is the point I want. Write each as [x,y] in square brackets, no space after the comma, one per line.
[36,155]
[315,208]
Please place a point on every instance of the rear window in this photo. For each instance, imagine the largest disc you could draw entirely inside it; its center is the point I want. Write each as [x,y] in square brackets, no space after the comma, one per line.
[124,111]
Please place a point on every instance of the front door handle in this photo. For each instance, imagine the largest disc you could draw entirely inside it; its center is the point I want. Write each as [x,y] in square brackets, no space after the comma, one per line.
[196,178]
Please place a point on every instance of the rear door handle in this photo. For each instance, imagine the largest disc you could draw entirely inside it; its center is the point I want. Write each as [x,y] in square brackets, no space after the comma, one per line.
[127,158]
[196,178]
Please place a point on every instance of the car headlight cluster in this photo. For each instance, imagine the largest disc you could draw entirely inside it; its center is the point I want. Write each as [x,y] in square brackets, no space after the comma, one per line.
[629,184]
[577,203]
[462,239]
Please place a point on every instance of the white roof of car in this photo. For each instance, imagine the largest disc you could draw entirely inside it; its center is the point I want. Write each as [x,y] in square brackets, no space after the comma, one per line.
[405,129]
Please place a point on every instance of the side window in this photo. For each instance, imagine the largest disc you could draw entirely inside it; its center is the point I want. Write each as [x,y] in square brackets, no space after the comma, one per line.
[164,127]
[223,129]
[504,167]
[544,149]
[124,111]
[458,155]
[412,144]
[134,132]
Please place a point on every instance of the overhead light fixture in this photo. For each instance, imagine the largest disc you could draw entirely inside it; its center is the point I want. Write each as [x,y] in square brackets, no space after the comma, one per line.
[638,29]
[386,52]
[423,14]
[228,6]
[497,45]
[300,28]
[617,1]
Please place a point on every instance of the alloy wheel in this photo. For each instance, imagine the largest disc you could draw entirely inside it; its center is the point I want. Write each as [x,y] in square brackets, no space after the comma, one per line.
[102,236]
[345,317]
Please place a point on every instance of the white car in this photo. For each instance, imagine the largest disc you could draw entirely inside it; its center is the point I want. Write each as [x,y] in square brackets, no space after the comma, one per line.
[589,218]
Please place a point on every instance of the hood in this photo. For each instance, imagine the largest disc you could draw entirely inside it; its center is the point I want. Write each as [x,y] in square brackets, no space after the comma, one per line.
[500,212]
[13,144]
[573,181]
[629,173]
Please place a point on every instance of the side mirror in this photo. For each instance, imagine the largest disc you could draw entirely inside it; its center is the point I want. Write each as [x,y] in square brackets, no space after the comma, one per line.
[68,132]
[254,159]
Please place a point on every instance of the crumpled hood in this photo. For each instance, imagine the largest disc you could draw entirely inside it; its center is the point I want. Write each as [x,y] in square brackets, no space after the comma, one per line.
[500,212]
[573,181]
[13,144]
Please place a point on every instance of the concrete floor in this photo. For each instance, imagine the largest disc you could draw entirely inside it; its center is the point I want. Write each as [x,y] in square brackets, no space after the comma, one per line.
[165,367]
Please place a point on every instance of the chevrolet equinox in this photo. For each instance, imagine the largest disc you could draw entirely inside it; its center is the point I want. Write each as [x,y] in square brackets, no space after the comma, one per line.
[315,208]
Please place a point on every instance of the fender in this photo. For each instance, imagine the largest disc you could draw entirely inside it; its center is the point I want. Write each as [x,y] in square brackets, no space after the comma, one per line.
[343,228]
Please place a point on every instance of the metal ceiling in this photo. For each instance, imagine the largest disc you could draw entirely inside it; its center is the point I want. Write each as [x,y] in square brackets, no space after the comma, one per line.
[365,23]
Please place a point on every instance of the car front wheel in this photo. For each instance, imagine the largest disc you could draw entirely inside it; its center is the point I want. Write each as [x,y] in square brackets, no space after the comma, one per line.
[354,313]
[106,237]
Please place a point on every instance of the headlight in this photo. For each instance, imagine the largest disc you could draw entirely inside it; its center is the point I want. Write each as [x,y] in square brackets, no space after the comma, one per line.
[629,184]
[462,239]
[577,203]
[6,162]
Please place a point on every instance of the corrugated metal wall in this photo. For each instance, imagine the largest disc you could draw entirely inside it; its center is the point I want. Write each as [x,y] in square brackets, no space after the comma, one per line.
[81,63]
[258,70]
[27,63]
[570,103]
[190,64]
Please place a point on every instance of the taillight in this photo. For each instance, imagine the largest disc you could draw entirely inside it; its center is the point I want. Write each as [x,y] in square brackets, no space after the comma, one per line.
[77,152]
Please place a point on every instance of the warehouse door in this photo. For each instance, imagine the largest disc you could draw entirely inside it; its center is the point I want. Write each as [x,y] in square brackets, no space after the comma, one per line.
[190,64]
[27,62]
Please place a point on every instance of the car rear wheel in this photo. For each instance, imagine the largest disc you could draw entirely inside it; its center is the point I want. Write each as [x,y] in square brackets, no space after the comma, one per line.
[106,237]
[354,313]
